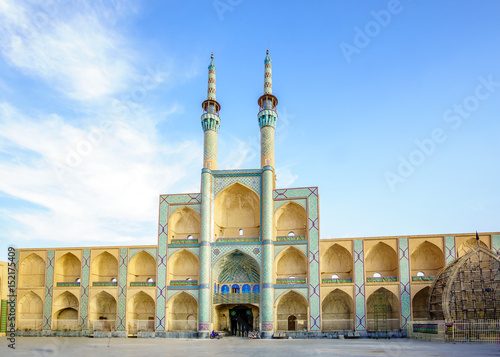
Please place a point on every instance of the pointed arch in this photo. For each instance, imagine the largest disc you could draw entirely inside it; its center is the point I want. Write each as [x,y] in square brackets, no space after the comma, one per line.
[183,223]
[141,267]
[237,212]
[182,312]
[104,267]
[426,258]
[30,313]
[65,312]
[236,267]
[336,260]
[141,306]
[382,303]
[291,262]
[337,311]
[32,271]
[420,304]
[292,311]
[290,218]
[68,268]
[382,259]
[102,306]
[183,265]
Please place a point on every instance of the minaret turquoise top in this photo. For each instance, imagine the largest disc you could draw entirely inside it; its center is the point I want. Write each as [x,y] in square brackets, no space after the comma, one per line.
[268,102]
[268,75]
[210,118]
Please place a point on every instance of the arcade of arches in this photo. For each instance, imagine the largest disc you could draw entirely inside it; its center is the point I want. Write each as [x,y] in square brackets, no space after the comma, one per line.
[236,284]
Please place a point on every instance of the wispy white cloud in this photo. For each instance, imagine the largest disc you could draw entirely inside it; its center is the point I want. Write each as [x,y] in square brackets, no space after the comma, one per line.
[71,45]
[109,194]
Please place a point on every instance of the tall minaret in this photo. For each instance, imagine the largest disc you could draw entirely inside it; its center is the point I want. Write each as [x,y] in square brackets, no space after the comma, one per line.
[210,121]
[267,116]
[267,122]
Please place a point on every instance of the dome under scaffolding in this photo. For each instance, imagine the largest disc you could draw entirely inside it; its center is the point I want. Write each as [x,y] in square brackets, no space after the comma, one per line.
[468,288]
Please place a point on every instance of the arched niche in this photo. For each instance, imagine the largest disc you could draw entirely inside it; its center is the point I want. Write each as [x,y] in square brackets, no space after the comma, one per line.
[382,303]
[420,305]
[30,312]
[426,258]
[381,259]
[32,271]
[336,260]
[292,312]
[337,312]
[65,316]
[290,218]
[141,306]
[103,268]
[183,265]
[67,269]
[237,212]
[236,267]
[291,263]
[185,222]
[468,245]
[183,313]
[141,267]
[102,307]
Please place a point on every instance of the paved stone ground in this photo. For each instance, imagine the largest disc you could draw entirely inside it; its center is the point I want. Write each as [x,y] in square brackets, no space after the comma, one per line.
[234,346]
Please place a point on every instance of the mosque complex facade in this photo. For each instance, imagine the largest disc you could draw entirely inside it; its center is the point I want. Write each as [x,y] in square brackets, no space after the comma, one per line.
[240,255]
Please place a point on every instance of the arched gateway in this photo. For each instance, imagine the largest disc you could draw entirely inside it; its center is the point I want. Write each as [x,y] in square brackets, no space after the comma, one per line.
[236,281]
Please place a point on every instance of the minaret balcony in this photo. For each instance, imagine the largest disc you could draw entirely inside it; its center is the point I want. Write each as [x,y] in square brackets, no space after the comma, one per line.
[210,122]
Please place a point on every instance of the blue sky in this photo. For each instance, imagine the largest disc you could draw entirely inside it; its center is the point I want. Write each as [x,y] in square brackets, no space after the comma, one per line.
[391,108]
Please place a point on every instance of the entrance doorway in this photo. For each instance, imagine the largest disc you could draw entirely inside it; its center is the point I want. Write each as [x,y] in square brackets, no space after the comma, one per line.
[241,320]
[292,323]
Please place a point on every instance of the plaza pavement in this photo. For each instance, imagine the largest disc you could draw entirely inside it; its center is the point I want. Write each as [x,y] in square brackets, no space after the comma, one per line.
[236,346]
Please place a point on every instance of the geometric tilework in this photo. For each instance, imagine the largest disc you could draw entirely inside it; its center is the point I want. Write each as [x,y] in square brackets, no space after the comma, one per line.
[84,283]
[311,193]
[359,285]
[181,198]
[134,251]
[49,283]
[267,145]
[267,250]
[210,148]
[253,250]
[495,243]
[122,290]
[161,262]
[252,181]
[204,292]
[449,249]
[404,266]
